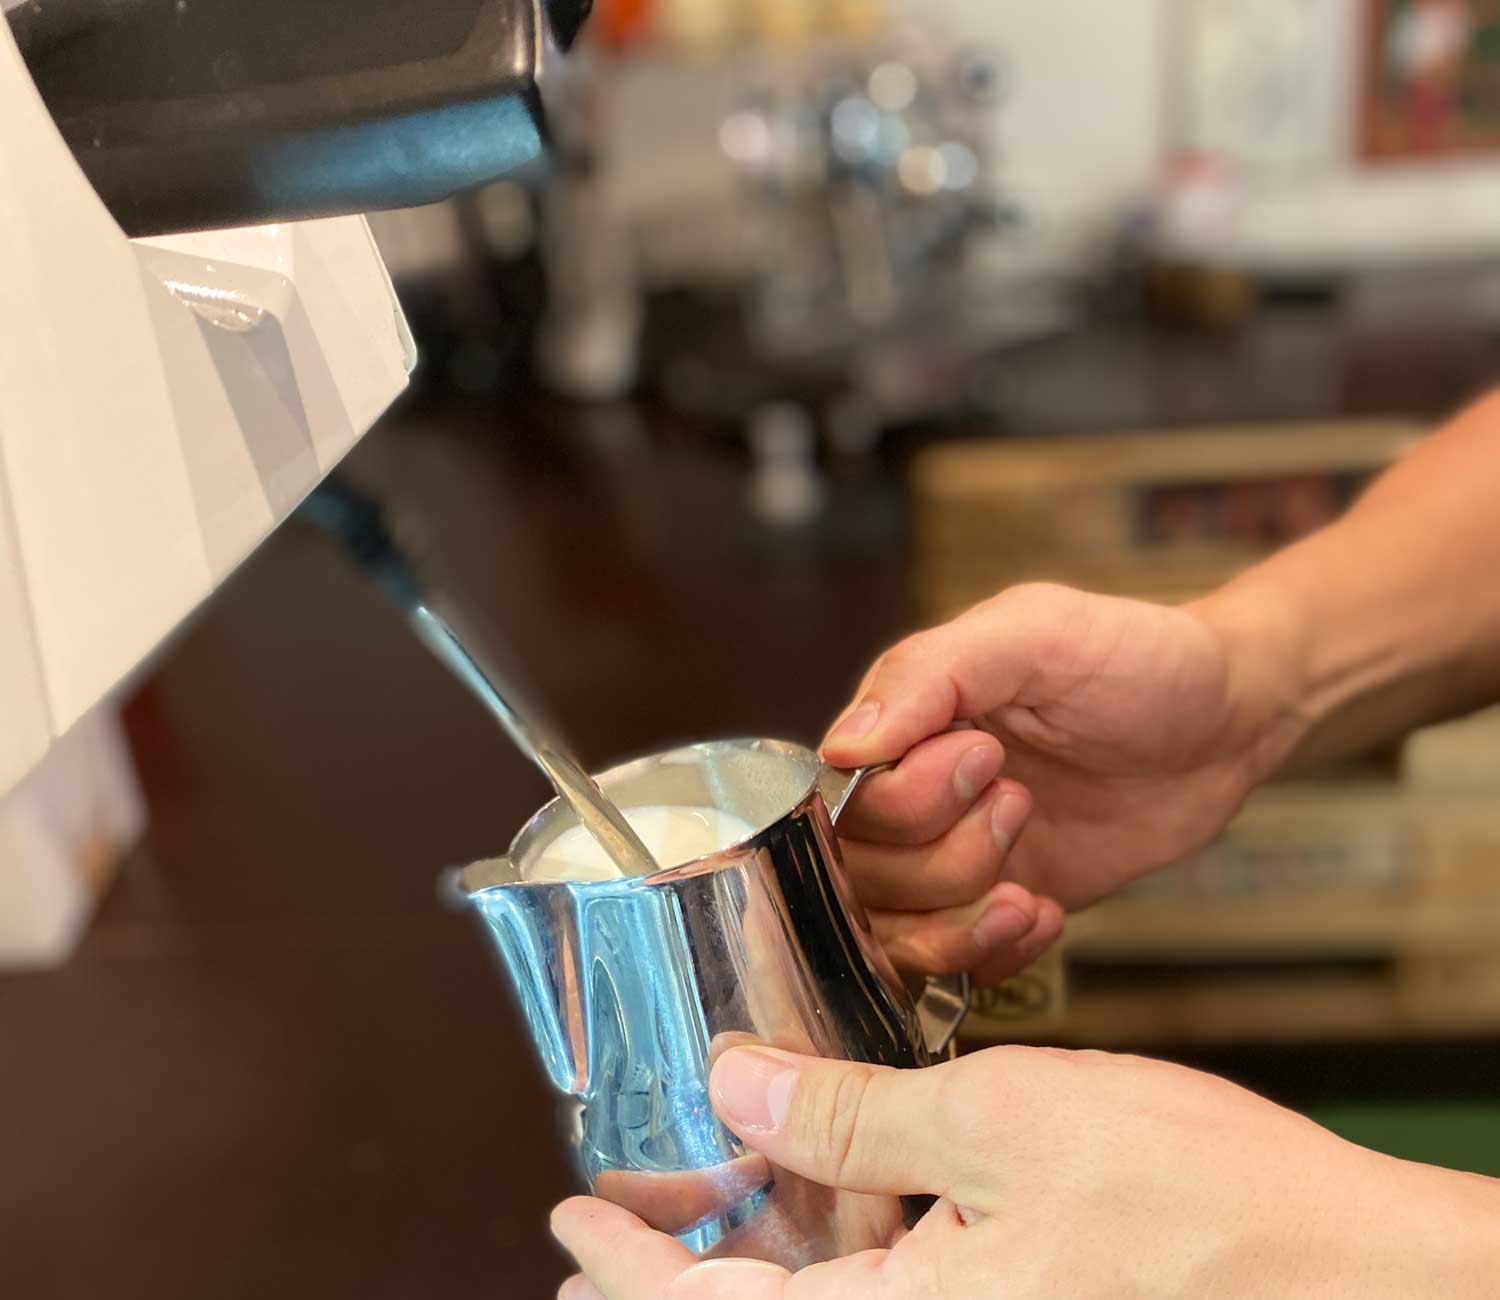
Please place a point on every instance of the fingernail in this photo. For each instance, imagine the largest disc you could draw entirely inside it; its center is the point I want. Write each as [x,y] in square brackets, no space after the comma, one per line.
[858,724]
[752,1089]
[1003,923]
[739,1267]
[975,770]
[1008,816]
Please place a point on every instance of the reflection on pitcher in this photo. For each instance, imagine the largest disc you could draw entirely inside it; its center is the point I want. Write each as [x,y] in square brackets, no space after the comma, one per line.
[632,986]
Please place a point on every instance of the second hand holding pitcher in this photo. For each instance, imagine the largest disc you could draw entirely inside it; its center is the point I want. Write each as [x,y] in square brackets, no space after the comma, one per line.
[633,987]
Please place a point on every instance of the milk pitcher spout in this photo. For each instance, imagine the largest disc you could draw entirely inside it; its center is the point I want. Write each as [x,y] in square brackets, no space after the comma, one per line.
[534,929]
[633,986]
[606,979]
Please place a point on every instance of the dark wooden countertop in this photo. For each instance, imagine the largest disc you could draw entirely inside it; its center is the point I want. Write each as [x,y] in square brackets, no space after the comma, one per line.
[276,1067]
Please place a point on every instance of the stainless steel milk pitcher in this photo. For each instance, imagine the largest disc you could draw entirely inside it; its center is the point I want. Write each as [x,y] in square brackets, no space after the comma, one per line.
[631,987]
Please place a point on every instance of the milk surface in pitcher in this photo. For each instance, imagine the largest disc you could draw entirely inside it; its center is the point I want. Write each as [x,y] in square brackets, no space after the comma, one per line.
[674,833]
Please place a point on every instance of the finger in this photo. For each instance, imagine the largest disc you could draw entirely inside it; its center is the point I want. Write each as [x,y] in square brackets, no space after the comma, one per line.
[940,1229]
[846,1124]
[1008,960]
[951,1252]
[949,872]
[674,1202]
[864,685]
[623,1258]
[626,1260]
[965,669]
[936,783]
[958,938]
[923,1264]
[727,1038]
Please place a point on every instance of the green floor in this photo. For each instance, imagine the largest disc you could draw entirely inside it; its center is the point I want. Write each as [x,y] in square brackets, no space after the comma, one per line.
[1459,1134]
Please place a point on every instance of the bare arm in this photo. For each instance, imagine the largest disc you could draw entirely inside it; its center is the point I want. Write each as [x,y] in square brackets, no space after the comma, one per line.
[1389,618]
[1126,735]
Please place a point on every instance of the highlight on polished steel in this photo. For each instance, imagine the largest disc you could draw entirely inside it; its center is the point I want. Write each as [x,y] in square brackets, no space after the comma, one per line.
[632,987]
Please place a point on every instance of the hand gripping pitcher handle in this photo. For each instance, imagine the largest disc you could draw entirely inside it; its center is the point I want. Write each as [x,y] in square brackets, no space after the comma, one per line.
[944,1000]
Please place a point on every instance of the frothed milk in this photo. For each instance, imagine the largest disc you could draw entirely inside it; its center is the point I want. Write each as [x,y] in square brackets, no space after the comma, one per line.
[674,834]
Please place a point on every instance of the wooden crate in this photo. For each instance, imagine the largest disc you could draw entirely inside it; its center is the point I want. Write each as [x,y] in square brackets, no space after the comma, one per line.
[1162,516]
[1354,906]
[1029,1004]
[1394,934]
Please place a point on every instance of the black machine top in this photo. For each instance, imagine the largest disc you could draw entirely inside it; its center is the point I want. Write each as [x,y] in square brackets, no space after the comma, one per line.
[188,114]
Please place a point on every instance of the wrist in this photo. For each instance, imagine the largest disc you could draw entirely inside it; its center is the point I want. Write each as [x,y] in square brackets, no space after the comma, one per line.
[1356,1225]
[1336,644]
[1264,639]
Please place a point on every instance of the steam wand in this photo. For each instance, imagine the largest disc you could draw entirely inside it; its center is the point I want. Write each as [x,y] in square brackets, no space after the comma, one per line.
[452,633]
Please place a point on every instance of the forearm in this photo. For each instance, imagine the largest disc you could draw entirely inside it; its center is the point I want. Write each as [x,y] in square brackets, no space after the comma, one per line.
[1424,1232]
[1349,1223]
[1390,617]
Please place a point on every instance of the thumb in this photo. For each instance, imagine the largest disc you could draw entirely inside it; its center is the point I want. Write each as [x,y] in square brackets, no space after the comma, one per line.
[982,660]
[864,1128]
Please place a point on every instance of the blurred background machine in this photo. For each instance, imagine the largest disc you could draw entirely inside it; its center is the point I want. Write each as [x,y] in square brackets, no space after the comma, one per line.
[779,204]
[826,319]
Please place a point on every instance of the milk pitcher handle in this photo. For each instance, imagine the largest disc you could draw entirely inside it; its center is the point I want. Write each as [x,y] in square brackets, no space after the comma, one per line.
[945,998]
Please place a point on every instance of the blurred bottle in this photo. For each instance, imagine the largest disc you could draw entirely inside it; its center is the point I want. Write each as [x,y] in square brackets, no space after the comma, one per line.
[712,28]
[703,28]
[784,24]
[589,338]
[786,487]
[857,21]
[623,25]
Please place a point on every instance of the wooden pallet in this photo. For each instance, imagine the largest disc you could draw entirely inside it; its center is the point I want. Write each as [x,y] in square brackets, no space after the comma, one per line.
[1085,511]
[1400,948]
[1433,973]
[1406,1003]
[1345,908]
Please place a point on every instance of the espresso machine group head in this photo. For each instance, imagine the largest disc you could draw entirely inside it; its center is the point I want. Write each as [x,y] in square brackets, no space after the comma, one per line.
[189,114]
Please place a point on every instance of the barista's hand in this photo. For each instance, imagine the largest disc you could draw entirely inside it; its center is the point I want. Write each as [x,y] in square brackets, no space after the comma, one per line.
[1130,733]
[925,845]
[1080,1175]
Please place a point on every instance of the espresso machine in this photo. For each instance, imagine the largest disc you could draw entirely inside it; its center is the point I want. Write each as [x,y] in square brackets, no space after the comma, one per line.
[195,331]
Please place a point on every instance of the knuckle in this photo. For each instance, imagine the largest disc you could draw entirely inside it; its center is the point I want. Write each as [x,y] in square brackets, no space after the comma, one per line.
[905,653]
[1040,606]
[1039,593]
[929,958]
[930,947]
[952,950]
[841,1120]
[966,874]
[990,1073]
[907,805]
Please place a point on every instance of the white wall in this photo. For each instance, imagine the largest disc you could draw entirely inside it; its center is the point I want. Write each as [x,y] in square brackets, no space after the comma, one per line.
[1102,93]
[1080,135]
[1100,97]
[1084,127]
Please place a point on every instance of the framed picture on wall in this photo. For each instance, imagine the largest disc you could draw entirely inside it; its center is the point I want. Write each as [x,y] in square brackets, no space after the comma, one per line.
[1260,84]
[1431,79]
